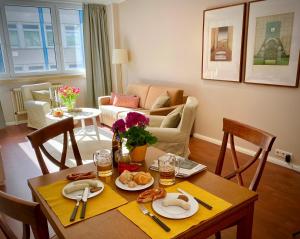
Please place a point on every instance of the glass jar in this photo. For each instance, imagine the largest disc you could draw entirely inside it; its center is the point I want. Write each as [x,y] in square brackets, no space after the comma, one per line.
[124,161]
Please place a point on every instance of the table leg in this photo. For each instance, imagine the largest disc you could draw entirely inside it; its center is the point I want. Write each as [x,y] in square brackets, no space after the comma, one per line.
[244,226]
[96,128]
[83,124]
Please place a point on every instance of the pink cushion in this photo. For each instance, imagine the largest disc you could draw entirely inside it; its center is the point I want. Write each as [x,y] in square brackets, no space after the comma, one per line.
[129,101]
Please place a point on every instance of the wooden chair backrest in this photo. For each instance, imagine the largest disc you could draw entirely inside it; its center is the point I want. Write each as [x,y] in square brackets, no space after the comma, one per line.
[258,137]
[29,213]
[39,137]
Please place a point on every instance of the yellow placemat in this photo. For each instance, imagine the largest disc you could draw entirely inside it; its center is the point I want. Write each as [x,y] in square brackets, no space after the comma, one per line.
[131,211]
[63,207]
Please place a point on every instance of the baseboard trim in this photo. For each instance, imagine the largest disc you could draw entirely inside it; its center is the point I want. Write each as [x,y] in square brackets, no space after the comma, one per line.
[15,122]
[270,159]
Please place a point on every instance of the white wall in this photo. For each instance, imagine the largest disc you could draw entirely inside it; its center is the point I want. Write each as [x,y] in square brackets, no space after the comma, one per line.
[165,40]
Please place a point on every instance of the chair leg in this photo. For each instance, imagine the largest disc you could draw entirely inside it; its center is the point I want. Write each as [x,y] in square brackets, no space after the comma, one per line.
[218,235]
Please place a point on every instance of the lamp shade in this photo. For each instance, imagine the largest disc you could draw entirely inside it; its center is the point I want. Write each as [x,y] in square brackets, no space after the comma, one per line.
[119,56]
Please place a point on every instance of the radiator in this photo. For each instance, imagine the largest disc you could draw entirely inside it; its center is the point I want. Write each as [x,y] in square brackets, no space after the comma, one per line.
[18,103]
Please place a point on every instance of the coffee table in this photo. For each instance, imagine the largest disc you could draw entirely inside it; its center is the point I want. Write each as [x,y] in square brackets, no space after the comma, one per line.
[82,114]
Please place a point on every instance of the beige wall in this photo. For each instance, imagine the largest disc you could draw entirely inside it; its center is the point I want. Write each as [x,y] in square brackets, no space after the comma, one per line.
[165,38]
[7,85]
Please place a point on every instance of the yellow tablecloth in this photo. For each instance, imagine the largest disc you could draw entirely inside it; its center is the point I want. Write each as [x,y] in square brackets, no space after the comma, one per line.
[131,211]
[63,207]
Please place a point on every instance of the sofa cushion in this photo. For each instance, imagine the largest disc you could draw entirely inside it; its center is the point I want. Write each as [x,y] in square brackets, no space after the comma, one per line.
[161,101]
[176,95]
[172,119]
[41,95]
[126,101]
[140,90]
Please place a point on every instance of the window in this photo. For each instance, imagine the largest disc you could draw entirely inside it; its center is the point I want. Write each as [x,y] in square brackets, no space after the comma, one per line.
[13,35]
[72,38]
[2,69]
[31,35]
[29,29]
[32,38]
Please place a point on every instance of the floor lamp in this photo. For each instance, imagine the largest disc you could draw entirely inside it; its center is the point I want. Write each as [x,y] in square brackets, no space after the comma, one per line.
[120,56]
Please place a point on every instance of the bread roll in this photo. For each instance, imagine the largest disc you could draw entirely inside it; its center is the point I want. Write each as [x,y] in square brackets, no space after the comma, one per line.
[126,177]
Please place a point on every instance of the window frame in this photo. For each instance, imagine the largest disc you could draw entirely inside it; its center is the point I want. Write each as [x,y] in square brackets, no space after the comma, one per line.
[57,38]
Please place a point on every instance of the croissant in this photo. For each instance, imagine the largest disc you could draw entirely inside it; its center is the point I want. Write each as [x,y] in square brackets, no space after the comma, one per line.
[151,195]
[142,178]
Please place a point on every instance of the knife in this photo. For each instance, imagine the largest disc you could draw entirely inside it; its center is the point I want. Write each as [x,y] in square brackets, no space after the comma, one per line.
[73,215]
[84,200]
[204,204]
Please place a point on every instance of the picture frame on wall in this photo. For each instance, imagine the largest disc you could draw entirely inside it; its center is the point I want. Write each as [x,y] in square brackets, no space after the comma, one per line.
[222,43]
[273,43]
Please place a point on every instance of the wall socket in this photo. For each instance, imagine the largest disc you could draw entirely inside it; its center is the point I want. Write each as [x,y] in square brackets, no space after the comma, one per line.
[283,154]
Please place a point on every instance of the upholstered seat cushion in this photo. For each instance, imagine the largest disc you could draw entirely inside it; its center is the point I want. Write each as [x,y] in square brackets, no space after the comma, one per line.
[172,119]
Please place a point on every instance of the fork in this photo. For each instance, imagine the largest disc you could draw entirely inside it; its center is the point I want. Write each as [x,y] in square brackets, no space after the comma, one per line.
[72,218]
[155,218]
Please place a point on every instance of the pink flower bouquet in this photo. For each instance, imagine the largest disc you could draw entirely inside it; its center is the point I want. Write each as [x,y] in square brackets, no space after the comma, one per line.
[133,129]
[68,95]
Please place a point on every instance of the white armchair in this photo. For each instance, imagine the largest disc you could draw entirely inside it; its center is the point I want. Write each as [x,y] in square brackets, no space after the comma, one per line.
[175,140]
[36,110]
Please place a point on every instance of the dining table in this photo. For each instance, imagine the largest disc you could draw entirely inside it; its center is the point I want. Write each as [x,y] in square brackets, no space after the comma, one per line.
[113,224]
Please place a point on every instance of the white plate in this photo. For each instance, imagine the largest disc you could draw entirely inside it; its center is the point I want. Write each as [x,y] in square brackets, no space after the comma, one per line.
[136,188]
[174,212]
[74,195]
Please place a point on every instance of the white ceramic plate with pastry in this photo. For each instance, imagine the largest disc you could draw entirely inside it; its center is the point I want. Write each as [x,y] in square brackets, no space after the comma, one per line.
[175,211]
[135,188]
[74,189]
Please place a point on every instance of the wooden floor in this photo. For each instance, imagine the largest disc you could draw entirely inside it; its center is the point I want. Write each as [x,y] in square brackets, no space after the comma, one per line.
[277,212]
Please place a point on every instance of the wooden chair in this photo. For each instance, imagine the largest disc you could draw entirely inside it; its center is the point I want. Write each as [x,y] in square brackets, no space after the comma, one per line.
[39,137]
[261,139]
[25,211]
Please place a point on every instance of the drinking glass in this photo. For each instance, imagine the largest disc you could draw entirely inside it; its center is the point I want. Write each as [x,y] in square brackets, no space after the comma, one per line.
[103,161]
[168,168]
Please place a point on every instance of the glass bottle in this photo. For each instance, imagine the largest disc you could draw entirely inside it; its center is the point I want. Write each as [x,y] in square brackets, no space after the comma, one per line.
[116,146]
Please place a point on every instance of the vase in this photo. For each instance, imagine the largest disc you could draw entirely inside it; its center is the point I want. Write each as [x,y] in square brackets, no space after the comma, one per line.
[70,105]
[138,153]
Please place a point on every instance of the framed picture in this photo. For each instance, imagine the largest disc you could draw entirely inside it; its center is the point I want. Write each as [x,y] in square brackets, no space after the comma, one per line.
[273,43]
[222,43]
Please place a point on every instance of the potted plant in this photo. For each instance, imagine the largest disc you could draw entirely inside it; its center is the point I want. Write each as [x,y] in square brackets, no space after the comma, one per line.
[132,129]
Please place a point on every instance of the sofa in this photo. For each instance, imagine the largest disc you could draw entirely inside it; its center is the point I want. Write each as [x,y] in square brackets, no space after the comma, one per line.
[147,94]
[175,139]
